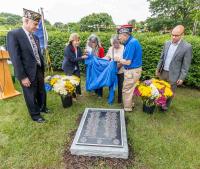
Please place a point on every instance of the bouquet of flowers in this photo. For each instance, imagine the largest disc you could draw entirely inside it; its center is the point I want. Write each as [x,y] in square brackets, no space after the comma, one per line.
[62,84]
[154,92]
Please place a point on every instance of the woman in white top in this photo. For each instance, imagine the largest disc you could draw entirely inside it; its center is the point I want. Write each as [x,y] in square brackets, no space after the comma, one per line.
[114,53]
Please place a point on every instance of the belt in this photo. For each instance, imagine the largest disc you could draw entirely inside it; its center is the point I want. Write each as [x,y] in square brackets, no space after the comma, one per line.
[165,70]
[132,68]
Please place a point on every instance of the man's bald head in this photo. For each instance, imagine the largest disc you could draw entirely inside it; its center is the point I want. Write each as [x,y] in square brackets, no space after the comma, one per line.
[177,33]
[179,29]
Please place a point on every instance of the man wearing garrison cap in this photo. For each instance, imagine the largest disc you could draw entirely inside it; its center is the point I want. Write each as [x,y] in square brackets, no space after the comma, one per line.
[24,50]
[132,62]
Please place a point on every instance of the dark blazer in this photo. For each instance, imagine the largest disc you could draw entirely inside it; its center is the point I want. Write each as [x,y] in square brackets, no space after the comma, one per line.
[21,54]
[70,60]
[180,62]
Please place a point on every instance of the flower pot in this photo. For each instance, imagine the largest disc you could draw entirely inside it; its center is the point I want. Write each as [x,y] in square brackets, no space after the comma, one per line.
[66,101]
[148,109]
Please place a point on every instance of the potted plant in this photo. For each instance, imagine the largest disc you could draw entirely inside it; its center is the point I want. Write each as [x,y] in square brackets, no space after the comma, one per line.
[154,93]
[63,85]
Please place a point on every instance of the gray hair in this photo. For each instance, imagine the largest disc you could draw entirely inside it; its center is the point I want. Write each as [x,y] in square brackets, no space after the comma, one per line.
[94,38]
[24,20]
[114,38]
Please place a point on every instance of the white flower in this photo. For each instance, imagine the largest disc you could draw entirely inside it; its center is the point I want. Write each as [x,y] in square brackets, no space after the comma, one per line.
[47,79]
[57,76]
[72,79]
[74,82]
[59,87]
[154,91]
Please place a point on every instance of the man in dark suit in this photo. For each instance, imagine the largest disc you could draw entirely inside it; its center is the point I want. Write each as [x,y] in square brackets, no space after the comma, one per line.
[175,60]
[28,62]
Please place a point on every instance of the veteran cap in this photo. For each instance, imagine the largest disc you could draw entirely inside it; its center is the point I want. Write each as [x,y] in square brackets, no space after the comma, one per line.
[124,29]
[31,15]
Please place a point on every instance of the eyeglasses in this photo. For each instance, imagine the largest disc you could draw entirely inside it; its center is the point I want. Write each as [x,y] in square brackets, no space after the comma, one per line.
[176,35]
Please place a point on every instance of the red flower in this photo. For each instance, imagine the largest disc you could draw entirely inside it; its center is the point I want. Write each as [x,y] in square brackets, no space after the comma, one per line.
[137,92]
[161,101]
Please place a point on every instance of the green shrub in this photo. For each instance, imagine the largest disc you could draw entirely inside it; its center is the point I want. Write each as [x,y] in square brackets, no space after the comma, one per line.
[2,40]
[193,78]
[152,44]
[151,47]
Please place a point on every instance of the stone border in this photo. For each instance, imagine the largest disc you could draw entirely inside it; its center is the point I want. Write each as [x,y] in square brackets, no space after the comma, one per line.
[104,151]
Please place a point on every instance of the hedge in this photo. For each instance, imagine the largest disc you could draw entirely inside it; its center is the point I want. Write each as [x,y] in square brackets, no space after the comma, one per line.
[152,44]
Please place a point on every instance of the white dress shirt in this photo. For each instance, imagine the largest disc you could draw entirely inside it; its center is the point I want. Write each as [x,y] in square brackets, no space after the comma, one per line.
[27,34]
[111,54]
[171,51]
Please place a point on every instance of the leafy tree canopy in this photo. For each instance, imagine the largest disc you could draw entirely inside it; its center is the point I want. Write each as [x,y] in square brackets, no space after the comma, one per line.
[172,12]
[96,22]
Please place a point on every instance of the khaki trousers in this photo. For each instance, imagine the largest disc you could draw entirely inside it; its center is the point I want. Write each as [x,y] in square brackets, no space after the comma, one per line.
[131,76]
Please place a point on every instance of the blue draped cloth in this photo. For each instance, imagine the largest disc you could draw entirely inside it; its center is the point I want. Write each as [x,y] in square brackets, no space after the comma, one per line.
[101,73]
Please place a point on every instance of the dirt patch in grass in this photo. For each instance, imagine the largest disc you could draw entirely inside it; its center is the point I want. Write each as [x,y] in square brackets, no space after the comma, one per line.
[84,162]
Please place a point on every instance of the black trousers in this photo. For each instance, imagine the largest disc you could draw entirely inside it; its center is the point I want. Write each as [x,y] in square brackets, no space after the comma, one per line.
[78,88]
[99,92]
[120,86]
[35,95]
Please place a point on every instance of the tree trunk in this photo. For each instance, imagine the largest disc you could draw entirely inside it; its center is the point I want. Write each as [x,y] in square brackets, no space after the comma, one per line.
[194,31]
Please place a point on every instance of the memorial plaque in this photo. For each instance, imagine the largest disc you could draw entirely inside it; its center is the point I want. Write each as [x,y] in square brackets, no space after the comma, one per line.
[102,128]
[102,132]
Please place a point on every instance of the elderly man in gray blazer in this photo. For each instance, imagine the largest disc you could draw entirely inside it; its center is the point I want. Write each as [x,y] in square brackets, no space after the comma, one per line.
[175,60]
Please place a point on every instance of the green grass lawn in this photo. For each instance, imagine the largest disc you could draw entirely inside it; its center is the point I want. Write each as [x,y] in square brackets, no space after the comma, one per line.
[168,140]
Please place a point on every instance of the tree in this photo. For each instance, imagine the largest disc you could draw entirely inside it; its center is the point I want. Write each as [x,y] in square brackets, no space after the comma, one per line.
[2,20]
[11,19]
[96,22]
[58,24]
[72,27]
[161,23]
[175,11]
[46,22]
[132,22]
[196,17]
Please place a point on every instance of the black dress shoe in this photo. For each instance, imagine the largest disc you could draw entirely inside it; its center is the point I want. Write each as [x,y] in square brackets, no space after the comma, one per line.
[39,120]
[46,110]
[164,109]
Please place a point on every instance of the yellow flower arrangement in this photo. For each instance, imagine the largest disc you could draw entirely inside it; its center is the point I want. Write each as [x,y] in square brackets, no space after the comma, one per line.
[154,92]
[168,92]
[62,84]
[160,83]
[53,81]
[145,90]
[69,87]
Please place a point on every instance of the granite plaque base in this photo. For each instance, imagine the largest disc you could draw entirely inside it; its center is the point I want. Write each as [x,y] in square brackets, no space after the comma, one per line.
[102,132]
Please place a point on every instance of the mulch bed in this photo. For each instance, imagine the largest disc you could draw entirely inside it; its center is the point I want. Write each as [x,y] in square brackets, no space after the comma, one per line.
[84,162]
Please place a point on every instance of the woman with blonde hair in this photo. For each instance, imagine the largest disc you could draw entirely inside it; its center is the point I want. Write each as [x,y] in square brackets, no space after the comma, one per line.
[72,57]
